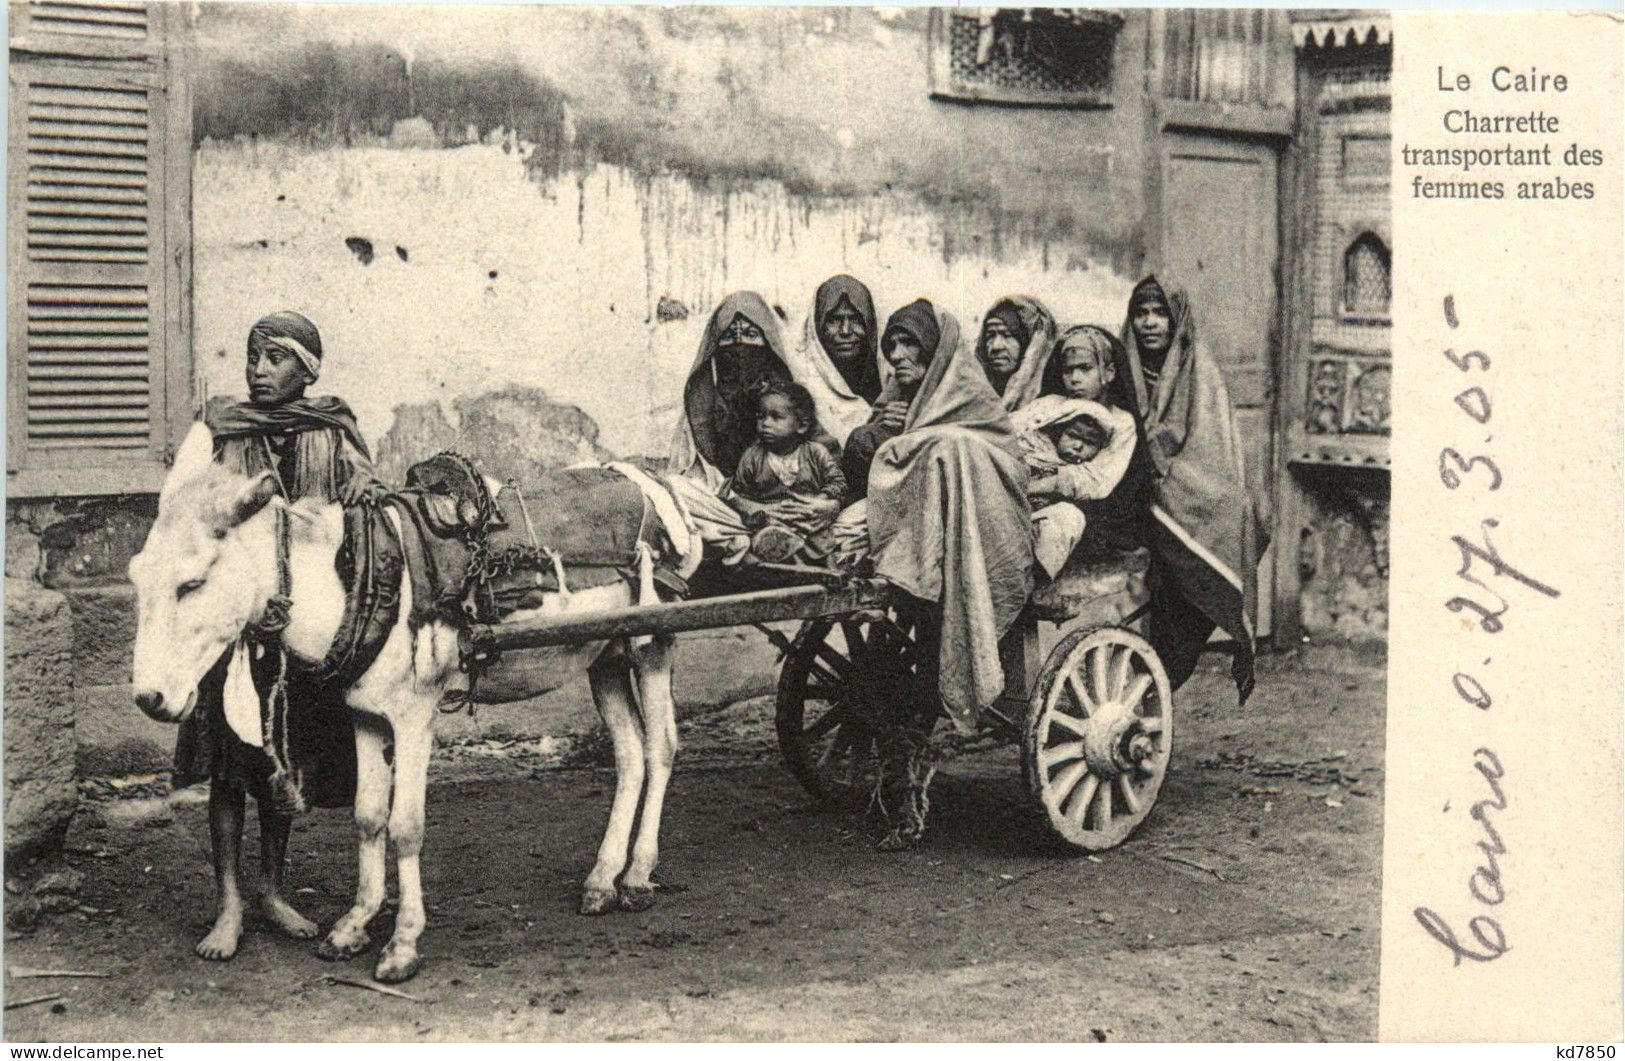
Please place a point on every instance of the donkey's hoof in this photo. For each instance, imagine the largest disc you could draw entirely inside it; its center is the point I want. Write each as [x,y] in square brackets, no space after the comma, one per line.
[398,965]
[595,901]
[637,899]
[899,840]
[337,949]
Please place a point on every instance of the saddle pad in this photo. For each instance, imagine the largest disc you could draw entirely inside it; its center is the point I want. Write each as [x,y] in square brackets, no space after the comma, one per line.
[589,516]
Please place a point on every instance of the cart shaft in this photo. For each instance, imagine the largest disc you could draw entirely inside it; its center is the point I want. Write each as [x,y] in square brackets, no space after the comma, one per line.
[736,609]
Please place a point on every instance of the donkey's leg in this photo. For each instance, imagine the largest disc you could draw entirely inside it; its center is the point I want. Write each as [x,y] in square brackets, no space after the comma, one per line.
[652,664]
[274,829]
[612,693]
[349,934]
[226,838]
[414,740]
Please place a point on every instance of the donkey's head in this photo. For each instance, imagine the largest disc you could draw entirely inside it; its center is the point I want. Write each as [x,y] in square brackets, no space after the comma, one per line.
[201,578]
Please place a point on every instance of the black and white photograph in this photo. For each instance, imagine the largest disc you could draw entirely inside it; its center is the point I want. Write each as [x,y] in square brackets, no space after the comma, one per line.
[538,523]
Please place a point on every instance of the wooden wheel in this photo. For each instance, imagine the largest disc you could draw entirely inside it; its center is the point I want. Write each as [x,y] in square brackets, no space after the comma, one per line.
[1100,729]
[843,682]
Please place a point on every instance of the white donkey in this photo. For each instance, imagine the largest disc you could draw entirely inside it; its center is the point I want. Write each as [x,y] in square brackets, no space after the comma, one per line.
[209,567]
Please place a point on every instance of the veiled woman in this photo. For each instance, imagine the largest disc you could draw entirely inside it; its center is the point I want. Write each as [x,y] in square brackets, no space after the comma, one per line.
[741,348]
[1013,346]
[836,359]
[1206,534]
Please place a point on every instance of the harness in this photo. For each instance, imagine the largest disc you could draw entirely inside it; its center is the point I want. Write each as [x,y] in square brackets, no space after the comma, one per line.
[369,566]
[286,781]
[468,566]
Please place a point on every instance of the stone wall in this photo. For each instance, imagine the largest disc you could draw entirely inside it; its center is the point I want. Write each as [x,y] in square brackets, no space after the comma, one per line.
[41,788]
[1343,554]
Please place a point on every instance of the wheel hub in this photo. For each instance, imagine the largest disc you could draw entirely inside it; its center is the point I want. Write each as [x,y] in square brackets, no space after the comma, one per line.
[1116,743]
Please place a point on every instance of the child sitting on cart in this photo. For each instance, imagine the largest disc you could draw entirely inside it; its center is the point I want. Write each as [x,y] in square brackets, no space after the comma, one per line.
[785,463]
[1076,447]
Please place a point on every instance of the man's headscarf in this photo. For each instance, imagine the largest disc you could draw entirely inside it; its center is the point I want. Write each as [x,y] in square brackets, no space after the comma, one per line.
[1206,529]
[292,332]
[1034,328]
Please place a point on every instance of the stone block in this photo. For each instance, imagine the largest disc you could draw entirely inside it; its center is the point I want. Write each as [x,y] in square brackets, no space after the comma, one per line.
[103,633]
[114,738]
[41,793]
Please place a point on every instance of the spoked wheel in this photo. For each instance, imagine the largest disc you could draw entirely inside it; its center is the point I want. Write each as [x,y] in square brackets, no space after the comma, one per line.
[1100,729]
[842,684]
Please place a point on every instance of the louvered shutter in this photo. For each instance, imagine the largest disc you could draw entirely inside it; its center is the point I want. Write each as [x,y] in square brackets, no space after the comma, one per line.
[98,345]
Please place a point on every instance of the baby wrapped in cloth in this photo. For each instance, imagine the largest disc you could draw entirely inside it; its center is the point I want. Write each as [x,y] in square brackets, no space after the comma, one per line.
[1059,524]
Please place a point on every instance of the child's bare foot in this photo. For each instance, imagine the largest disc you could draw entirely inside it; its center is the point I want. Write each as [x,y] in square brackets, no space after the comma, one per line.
[775,545]
[221,942]
[286,918]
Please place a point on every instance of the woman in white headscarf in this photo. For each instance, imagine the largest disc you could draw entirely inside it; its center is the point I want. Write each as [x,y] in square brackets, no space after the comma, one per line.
[836,360]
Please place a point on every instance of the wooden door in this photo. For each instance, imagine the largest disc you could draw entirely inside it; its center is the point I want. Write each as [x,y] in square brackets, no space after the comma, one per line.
[1221,240]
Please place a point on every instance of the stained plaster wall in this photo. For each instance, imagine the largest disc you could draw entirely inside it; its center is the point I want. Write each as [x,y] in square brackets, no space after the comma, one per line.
[555,197]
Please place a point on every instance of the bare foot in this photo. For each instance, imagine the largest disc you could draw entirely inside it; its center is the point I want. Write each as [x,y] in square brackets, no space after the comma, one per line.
[221,942]
[286,918]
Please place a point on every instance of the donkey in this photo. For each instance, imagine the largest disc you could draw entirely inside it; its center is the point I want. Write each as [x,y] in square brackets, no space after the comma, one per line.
[209,568]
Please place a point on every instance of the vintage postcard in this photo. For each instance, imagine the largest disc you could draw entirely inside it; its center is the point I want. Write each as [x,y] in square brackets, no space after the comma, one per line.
[587,523]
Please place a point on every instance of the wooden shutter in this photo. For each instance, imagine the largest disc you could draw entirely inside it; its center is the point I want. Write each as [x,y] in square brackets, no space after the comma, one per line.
[98,254]
[93,29]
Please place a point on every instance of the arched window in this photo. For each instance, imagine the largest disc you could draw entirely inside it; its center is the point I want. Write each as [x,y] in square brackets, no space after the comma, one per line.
[1367,284]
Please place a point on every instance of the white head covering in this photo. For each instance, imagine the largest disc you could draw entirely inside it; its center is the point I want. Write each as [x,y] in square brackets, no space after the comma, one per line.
[841,409]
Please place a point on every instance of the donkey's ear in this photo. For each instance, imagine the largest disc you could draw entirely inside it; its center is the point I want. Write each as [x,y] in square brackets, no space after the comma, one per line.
[255,496]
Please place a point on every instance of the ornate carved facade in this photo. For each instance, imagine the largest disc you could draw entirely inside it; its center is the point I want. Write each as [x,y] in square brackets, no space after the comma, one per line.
[1342,358]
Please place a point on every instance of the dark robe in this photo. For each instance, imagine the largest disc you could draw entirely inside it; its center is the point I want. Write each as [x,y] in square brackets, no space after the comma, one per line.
[1206,532]
[918,320]
[314,447]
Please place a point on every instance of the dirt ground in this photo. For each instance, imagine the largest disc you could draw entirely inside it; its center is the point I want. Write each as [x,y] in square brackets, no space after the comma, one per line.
[1246,908]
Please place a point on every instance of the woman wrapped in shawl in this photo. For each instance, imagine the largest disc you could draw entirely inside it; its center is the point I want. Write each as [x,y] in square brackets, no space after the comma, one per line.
[1205,533]
[908,346]
[1013,347]
[740,350]
[314,449]
[949,522]
[837,358]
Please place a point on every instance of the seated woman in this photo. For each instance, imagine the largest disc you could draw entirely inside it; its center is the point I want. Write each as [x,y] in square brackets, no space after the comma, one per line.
[1106,494]
[908,343]
[785,464]
[947,518]
[1013,346]
[1206,535]
[740,351]
[836,359]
